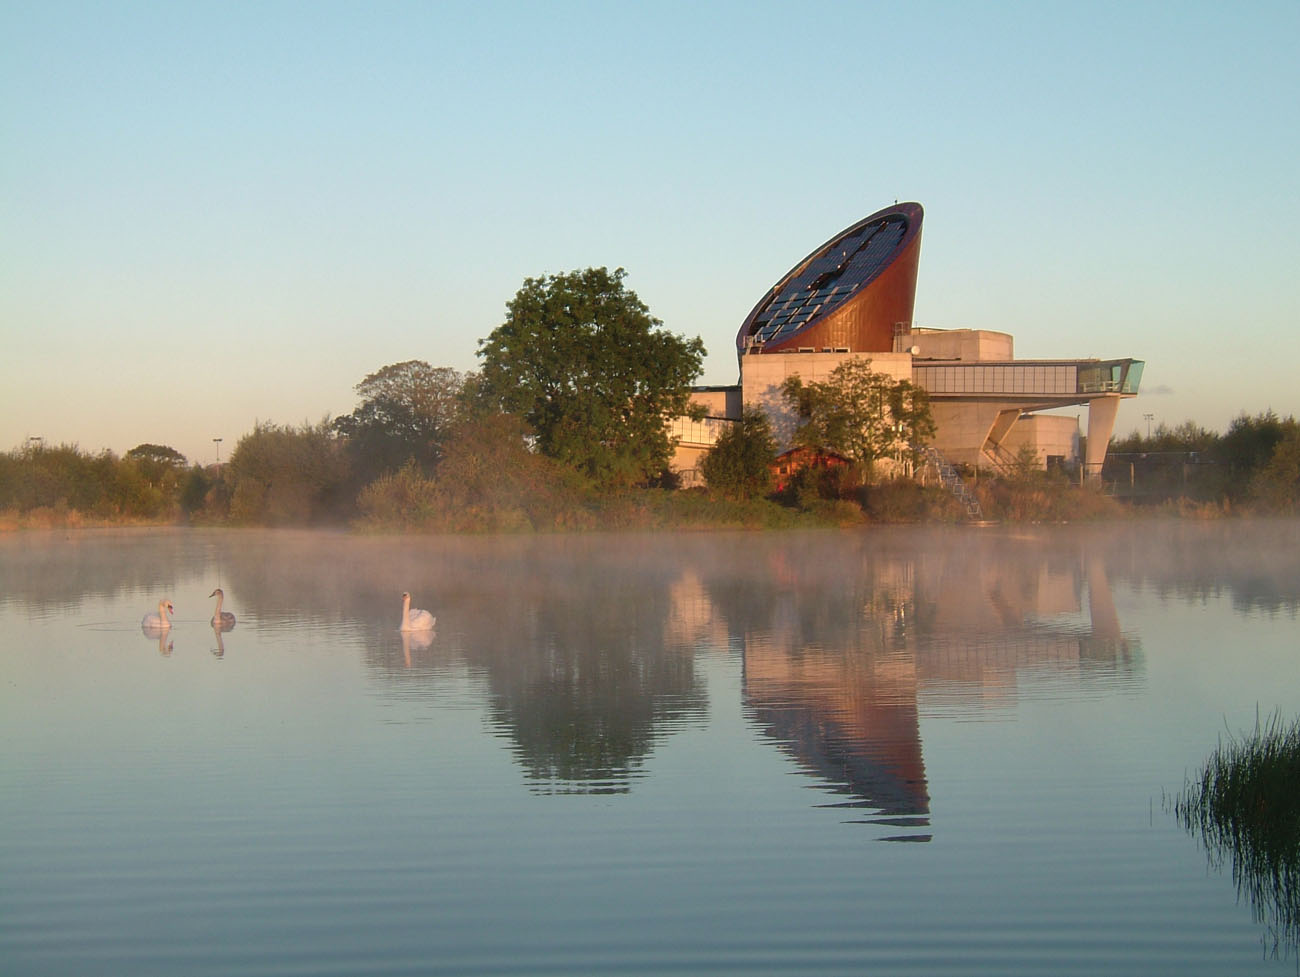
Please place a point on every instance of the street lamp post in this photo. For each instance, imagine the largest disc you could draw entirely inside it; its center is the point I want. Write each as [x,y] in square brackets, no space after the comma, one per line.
[217,442]
[1150,418]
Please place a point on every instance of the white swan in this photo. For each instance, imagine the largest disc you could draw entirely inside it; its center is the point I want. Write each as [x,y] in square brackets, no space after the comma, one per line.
[221,620]
[159,621]
[414,619]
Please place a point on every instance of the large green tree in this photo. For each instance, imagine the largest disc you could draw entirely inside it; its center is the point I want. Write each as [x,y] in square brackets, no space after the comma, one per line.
[860,413]
[594,374]
[405,413]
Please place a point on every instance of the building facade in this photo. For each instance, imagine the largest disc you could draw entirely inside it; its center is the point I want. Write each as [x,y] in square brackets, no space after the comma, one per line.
[853,297]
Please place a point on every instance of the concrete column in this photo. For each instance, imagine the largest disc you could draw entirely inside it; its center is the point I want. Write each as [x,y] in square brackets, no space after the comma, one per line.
[1101,424]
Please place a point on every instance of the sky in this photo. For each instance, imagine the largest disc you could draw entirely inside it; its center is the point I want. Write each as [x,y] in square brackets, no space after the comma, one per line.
[215,214]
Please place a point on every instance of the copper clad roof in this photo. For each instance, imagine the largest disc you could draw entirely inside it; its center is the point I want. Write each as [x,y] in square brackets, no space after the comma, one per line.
[848,294]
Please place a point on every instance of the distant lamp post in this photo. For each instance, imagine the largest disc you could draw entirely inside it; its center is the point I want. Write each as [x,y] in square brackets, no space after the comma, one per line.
[217,442]
[1150,418]
[40,441]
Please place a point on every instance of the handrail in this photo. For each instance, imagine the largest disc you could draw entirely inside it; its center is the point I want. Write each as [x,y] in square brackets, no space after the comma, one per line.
[950,480]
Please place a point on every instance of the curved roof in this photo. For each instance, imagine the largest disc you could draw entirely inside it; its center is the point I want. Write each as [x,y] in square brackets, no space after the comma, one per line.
[848,294]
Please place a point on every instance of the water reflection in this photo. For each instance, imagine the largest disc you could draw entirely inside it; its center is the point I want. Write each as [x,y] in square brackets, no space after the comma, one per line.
[587,646]
[839,655]
[416,641]
[217,629]
[161,636]
[1245,811]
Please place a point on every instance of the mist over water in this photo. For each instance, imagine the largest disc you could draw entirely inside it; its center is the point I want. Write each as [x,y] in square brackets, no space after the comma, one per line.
[688,753]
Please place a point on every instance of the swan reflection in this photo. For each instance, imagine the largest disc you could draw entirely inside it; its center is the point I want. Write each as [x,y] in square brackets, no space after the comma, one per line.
[415,641]
[163,637]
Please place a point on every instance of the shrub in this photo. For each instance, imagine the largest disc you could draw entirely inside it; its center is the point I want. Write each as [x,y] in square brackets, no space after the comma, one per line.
[287,476]
[739,466]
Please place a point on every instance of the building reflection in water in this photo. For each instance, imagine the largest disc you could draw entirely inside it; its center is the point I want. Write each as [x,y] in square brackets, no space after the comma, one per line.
[836,669]
[587,649]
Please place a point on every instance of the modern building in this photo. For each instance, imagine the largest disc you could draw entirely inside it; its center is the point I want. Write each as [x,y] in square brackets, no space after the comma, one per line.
[853,297]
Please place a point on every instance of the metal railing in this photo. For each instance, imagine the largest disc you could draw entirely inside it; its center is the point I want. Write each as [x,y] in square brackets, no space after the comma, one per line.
[951,481]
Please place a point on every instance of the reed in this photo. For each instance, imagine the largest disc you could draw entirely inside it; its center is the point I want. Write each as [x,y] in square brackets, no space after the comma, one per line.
[1245,808]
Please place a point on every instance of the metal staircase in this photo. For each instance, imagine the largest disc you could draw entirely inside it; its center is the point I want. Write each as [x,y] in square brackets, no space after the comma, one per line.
[951,481]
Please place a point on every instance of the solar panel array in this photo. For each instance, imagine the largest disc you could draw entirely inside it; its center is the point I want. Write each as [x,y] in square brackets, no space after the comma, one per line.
[829,278]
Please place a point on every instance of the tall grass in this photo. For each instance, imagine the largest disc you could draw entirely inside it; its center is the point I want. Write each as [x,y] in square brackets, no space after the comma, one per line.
[1245,808]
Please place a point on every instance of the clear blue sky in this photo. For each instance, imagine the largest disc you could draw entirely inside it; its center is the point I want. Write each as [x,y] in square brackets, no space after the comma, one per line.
[213,213]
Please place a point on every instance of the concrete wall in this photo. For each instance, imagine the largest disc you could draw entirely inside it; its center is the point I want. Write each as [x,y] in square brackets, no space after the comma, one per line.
[962,427]
[719,401]
[1047,434]
[961,344]
[763,373]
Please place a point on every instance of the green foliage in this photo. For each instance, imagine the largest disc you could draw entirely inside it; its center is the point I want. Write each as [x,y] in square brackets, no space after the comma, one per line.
[66,480]
[1186,436]
[860,414]
[594,375]
[490,480]
[160,454]
[405,414]
[1025,469]
[1276,485]
[161,466]
[903,500]
[1236,471]
[909,405]
[1246,810]
[739,464]
[405,498]
[1248,447]
[280,475]
[1044,497]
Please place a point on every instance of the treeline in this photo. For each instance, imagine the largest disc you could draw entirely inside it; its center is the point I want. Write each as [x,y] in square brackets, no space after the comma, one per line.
[1253,466]
[565,426]
[60,485]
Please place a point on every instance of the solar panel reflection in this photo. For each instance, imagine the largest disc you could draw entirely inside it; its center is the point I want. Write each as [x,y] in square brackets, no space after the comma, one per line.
[829,278]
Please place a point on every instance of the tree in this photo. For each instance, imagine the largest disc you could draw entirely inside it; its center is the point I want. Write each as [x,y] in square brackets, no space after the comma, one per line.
[280,475]
[405,413]
[739,464]
[859,413]
[914,421]
[596,377]
[159,464]
[1248,445]
[1276,485]
[160,453]
[489,480]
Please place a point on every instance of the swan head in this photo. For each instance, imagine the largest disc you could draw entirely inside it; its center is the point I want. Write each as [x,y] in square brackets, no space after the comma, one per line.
[167,604]
[217,593]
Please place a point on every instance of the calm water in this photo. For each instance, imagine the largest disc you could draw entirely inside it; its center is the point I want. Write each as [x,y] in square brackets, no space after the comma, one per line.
[891,752]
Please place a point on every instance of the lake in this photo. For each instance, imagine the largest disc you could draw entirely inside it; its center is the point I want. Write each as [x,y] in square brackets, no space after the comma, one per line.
[891,751]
